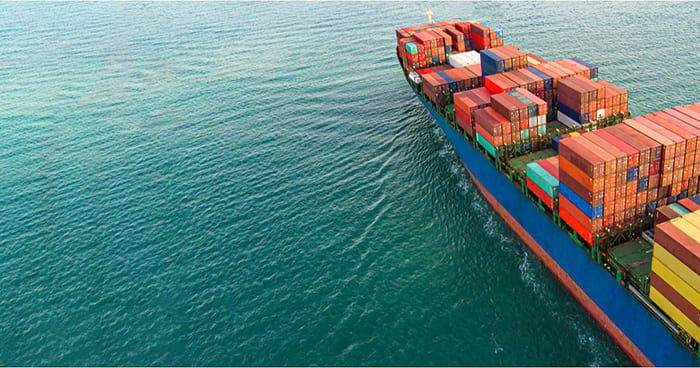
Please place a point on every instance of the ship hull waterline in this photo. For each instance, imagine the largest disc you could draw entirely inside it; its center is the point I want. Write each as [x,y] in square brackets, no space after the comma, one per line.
[640,335]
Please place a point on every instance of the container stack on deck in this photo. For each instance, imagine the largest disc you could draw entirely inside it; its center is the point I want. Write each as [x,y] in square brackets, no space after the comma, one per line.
[581,100]
[466,103]
[428,45]
[440,85]
[515,116]
[675,265]
[543,180]
[542,78]
[613,176]
[482,37]
[502,59]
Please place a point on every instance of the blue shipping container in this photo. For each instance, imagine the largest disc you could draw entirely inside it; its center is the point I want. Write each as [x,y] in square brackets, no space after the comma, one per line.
[573,115]
[450,81]
[575,200]
[491,59]
[547,78]
[555,143]
[695,198]
[593,68]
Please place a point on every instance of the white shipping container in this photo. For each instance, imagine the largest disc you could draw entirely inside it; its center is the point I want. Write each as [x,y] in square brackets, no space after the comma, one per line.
[474,56]
[542,120]
[464,59]
[458,61]
[569,122]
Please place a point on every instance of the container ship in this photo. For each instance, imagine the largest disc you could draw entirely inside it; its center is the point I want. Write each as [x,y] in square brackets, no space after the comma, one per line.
[609,203]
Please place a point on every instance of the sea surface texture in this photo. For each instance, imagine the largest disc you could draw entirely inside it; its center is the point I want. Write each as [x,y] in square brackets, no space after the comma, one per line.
[256,184]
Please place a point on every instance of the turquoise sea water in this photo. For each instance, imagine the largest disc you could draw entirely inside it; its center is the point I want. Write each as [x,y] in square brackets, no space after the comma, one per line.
[255,184]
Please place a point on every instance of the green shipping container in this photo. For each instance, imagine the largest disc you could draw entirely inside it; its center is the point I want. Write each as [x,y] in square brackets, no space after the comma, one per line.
[543,179]
[487,146]
[678,208]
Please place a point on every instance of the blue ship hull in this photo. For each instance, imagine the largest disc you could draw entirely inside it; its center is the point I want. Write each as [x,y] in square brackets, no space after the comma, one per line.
[636,330]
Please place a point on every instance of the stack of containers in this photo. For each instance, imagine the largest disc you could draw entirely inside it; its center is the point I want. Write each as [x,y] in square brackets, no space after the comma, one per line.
[547,91]
[532,82]
[483,37]
[578,100]
[615,101]
[435,88]
[679,132]
[535,124]
[429,43]
[644,160]
[585,172]
[685,163]
[502,59]
[691,115]
[465,28]
[489,126]
[466,103]
[521,114]
[543,179]
[440,85]
[614,175]
[414,53]
[514,111]
[446,41]
[552,78]
[458,38]
[673,154]
[408,53]
[605,178]
[675,271]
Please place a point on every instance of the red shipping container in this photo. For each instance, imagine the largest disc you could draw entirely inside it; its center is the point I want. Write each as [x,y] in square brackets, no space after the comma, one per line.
[574,223]
[498,84]
[539,193]
[578,154]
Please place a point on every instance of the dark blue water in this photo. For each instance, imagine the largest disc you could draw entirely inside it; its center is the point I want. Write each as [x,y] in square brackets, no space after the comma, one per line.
[255,184]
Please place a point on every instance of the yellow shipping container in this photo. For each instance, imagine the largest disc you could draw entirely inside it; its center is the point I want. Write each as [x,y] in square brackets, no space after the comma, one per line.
[693,218]
[691,328]
[676,282]
[687,227]
[688,275]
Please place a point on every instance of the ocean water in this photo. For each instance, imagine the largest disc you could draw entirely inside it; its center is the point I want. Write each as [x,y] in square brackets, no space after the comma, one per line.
[255,184]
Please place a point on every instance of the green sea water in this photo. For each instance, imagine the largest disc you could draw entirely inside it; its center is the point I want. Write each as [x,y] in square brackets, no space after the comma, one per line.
[255,184]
